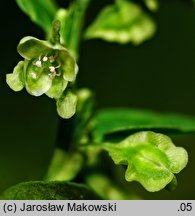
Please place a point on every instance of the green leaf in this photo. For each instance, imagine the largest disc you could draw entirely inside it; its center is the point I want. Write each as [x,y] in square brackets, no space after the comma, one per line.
[39,190]
[66,104]
[64,166]
[41,12]
[123,22]
[118,123]
[151,158]
[15,80]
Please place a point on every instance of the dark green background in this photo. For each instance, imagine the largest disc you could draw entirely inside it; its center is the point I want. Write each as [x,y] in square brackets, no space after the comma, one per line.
[158,75]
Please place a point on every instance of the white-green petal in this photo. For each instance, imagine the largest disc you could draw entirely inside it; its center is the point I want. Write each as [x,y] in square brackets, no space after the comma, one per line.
[57,88]
[31,47]
[37,81]
[66,105]
[15,80]
[68,65]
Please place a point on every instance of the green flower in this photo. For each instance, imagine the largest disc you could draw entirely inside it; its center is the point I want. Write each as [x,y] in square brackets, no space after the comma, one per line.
[151,158]
[47,69]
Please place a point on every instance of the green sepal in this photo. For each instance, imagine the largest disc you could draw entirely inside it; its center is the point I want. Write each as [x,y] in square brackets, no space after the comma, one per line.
[57,88]
[68,65]
[15,80]
[123,22]
[55,190]
[66,104]
[31,47]
[151,158]
[37,80]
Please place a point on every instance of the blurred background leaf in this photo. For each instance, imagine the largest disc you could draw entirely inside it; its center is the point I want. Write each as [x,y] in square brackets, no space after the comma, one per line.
[41,12]
[123,22]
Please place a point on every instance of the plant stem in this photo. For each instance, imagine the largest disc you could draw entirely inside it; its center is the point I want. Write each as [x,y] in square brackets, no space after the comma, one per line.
[72,41]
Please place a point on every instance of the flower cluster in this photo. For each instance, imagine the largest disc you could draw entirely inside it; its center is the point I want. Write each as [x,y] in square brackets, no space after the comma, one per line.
[46,69]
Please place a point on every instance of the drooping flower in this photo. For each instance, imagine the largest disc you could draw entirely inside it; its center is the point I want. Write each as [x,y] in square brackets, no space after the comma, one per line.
[47,69]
